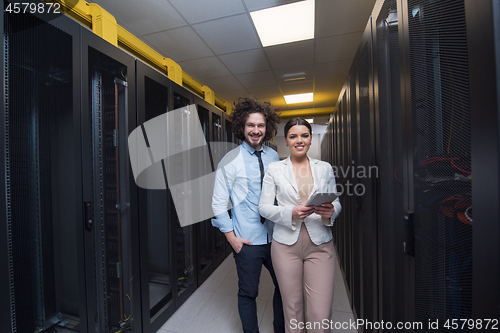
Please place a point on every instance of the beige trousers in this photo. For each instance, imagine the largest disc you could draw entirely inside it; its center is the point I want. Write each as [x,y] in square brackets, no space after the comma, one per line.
[305,268]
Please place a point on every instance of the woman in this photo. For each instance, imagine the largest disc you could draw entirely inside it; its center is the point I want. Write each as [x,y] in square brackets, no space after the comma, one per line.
[302,249]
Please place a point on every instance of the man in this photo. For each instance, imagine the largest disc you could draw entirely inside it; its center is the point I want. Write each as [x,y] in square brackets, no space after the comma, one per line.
[239,179]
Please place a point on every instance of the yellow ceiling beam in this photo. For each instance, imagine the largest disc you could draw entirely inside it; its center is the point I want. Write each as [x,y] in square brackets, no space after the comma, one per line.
[174,71]
[222,104]
[103,24]
[135,46]
[191,83]
[209,94]
[305,113]
[229,107]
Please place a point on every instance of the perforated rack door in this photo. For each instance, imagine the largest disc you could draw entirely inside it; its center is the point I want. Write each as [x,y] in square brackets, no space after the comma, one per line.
[391,159]
[41,174]
[112,227]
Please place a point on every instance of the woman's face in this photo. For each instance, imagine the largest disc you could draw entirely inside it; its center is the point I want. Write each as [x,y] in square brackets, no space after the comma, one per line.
[298,140]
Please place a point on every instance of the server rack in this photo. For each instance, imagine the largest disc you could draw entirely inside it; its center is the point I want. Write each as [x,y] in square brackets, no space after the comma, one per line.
[440,163]
[209,255]
[185,246]
[484,50]
[228,134]
[357,296]
[392,268]
[85,249]
[340,222]
[205,231]
[108,116]
[155,206]
[42,253]
[365,194]
[218,136]
[175,260]
[416,98]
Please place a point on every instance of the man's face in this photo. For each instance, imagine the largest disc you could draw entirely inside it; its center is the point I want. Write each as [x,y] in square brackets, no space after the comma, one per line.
[255,130]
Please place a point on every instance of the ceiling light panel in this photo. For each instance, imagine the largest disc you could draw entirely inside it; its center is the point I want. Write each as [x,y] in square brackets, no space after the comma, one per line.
[294,76]
[298,98]
[285,24]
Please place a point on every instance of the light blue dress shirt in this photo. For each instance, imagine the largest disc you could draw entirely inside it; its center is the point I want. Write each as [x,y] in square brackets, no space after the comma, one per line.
[238,178]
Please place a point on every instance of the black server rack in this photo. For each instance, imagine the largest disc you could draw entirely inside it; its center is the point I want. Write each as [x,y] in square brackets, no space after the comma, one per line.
[218,136]
[185,247]
[440,160]
[390,185]
[175,259]
[228,133]
[42,249]
[108,116]
[340,221]
[483,30]
[421,107]
[86,249]
[207,234]
[366,175]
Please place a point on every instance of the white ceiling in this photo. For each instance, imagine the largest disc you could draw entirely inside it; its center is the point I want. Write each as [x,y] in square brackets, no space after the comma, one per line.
[216,42]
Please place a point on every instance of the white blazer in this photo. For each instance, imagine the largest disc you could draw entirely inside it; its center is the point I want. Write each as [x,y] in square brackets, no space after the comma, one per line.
[279,182]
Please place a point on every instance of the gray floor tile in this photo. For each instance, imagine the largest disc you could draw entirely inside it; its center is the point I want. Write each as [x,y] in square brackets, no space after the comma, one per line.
[220,273]
[219,314]
[266,324]
[229,285]
[266,286]
[185,314]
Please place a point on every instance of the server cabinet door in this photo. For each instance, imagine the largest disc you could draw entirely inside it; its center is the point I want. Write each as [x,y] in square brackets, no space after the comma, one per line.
[206,233]
[108,116]
[41,184]
[365,191]
[155,210]
[356,226]
[440,224]
[182,127]
[228,132]
[390,158]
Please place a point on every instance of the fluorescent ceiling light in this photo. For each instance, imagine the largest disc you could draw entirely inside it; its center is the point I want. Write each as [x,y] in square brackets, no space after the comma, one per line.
[310,120]
[285,24]
[298,98]
[294,76]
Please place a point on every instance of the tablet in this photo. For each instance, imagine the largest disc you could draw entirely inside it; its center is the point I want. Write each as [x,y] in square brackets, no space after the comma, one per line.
[320,198]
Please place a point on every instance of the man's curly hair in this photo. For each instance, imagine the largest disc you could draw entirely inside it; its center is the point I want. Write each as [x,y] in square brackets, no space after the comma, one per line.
[247,105]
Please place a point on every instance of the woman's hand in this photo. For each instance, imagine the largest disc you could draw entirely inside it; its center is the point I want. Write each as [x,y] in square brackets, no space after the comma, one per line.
[301,212]
[325,210]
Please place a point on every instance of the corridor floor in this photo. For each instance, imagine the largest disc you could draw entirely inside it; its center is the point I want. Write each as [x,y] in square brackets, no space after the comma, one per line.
[213,307]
